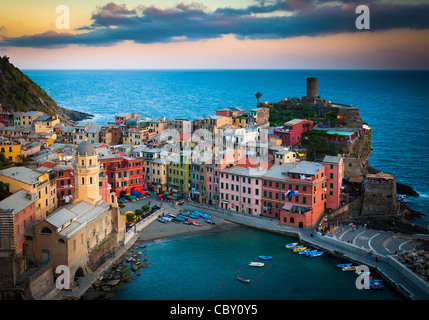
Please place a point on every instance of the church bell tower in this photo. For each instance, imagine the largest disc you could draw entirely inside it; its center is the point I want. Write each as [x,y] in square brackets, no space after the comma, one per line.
[87,170]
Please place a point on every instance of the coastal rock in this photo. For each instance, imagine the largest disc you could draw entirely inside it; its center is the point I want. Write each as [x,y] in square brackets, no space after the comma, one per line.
[406,190]
[113,283]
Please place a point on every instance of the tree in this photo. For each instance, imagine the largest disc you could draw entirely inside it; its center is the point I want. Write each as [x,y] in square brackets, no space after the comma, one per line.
[130,217]
[258,95]
[139,213]
[145,208]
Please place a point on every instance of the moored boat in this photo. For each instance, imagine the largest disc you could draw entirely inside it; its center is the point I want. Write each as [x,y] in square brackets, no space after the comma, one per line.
[256,264]
[188,222]
[196,223]
[316,254]
[290,245]
[210,221]
[265,257]
[162,220]
[310,252]
[243,279]
[193,216]
[349,268]
[344,265]
[299,249]
[304,251]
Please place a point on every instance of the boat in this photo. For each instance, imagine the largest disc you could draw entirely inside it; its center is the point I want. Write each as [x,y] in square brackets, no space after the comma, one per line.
[256,264]
[162,220]
[296,246]
[193,216]
[243,279]
[188,222]
[299,249]
[290,245]
[265,257]
[304,251]
[184,213]
[196,223]
[316,254]
[210,221]
[344,265]
[167,218]
[310,252]
[349,268]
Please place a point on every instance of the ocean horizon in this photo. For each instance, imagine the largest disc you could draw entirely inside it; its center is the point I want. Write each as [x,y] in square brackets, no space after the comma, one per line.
[392,102]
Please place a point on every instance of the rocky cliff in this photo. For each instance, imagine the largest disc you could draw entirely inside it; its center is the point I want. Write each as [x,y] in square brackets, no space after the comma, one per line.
[18,93]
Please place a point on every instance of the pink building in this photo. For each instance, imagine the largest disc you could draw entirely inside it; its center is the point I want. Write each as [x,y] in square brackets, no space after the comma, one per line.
[334,169]
[240,189]
[17,212]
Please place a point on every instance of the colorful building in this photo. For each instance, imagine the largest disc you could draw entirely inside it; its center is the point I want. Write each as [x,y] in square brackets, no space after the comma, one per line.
[295,193]
[35,182]
[18,212]
[292,131]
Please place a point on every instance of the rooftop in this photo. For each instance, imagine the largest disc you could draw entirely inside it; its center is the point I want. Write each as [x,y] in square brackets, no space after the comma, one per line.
[18,201]
[23,174]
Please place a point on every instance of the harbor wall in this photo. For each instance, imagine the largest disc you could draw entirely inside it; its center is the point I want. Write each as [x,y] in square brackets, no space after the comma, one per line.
[142,224]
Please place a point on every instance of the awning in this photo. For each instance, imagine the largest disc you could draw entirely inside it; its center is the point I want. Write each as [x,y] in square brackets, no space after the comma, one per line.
[287,206]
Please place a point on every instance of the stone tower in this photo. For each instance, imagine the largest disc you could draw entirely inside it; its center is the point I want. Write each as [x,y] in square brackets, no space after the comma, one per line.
[87,170]
[311,87]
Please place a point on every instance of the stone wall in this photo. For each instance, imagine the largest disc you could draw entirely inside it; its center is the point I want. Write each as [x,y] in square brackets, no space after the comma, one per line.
[380,198]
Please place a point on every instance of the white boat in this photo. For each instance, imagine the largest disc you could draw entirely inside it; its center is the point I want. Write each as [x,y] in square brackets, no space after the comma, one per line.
[256,264]
[290,245]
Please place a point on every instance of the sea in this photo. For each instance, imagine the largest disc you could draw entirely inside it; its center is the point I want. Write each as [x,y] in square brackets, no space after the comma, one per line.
[395,104]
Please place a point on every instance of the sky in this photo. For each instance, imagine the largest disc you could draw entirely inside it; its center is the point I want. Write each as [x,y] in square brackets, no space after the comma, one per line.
[221,34]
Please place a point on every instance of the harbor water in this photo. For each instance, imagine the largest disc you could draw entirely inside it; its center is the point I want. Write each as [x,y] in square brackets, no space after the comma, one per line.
[206,267]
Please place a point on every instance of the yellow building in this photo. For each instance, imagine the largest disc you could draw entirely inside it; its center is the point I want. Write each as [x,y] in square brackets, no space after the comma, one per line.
[178,172]
[241,122]
[36,182]
[11,151]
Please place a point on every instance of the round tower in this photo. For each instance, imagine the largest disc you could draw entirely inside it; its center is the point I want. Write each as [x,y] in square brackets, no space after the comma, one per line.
[311,87]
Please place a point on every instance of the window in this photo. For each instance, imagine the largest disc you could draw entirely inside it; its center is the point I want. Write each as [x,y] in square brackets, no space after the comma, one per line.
[46,230]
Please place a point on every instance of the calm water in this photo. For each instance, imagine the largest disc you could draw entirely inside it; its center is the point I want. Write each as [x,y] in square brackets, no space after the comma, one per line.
[394,103]
[206,267]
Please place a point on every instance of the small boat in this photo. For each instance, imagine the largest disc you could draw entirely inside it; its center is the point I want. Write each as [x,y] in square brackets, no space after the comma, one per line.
[187,222]
[210,221]
[299,249]
[167,218]
[316,254]
[296,247]
[162,220]
[193,216]
[304,251]
[256,264]
[290,245]
[310,252]
[344,265]
[196,223]
[184,213]
[265,257]
[243,279]
[349,268]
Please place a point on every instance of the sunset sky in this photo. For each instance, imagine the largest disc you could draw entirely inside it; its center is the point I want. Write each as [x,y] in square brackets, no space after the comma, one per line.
[206,34]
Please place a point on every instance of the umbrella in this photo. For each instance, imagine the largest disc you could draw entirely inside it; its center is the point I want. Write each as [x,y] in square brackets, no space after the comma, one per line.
[132,197]
[170,197]
[128,212]
[160,195]
[136,193]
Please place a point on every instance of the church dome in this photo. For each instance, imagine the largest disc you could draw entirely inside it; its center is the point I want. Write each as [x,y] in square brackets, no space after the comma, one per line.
[85,149]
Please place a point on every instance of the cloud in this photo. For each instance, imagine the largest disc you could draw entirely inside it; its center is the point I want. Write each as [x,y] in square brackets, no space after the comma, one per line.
[113,23]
